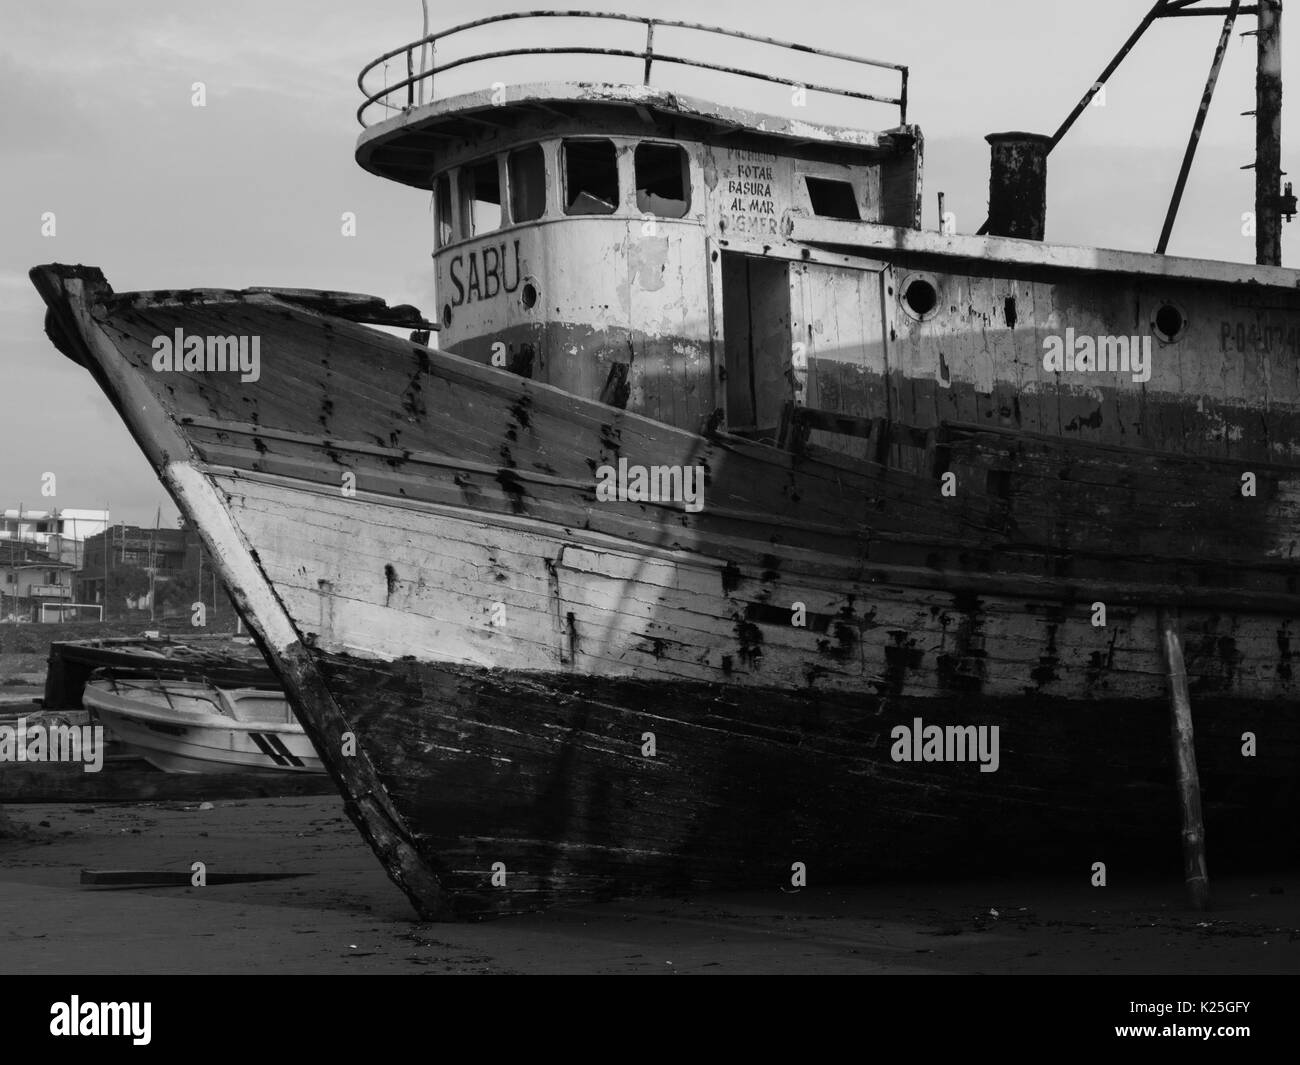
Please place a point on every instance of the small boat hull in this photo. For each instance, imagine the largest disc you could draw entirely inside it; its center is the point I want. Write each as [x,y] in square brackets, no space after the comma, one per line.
[222,660]
[179,727]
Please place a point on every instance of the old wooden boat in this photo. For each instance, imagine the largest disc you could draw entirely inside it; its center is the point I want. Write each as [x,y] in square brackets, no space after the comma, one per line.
[195,727]
[726,486]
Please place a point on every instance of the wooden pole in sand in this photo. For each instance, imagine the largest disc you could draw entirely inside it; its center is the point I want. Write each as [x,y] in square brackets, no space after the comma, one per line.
[1189,785]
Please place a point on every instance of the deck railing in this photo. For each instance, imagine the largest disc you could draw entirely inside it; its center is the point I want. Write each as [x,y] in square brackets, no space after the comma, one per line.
[417,87]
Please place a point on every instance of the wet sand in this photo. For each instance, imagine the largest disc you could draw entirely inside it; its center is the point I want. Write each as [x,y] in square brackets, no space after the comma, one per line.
[344,916]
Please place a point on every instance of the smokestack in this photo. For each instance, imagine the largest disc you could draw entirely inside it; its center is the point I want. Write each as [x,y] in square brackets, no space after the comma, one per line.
[1018,185]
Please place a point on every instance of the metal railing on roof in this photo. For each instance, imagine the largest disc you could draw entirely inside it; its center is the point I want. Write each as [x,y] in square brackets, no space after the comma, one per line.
[417,88]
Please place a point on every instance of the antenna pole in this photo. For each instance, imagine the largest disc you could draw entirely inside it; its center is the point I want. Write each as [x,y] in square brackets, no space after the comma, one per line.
[1268,135]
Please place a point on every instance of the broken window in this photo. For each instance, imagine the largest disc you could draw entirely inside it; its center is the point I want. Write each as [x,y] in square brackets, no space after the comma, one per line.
[590,177]
[832,199]
[527,184]
[480,198]
[442,210]
[663,183]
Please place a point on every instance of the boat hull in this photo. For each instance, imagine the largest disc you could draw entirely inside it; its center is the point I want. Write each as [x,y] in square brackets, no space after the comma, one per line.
[175,727]
[530,790]
[528,694]
[524,743]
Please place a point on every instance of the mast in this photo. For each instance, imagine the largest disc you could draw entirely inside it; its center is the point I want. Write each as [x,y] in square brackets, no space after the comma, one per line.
[1269,206]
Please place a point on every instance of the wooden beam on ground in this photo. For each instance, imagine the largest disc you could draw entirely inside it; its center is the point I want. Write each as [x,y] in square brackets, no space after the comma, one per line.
[171,877]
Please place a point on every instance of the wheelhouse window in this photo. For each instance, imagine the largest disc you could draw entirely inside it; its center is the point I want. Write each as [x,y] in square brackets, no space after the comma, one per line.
[590,177]
[833,199]
[480,197]
[442,210]
[527,183]
[663,184]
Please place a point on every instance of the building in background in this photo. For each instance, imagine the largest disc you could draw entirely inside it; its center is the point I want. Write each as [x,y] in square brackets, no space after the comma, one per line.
[30,578]
[62,531]
[122,552]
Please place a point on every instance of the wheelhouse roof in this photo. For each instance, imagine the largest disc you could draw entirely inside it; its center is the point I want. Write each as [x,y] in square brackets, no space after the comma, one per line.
[413,143]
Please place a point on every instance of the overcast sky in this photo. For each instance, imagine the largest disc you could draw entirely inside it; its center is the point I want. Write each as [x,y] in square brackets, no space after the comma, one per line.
[98,127]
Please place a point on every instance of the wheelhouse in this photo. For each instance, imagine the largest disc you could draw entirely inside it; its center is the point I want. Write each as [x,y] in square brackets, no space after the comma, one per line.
[631,244]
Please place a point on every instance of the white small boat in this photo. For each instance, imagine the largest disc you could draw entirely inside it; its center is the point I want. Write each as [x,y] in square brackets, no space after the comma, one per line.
[194,727]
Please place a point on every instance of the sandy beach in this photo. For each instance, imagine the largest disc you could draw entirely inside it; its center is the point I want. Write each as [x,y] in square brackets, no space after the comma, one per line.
[342,915]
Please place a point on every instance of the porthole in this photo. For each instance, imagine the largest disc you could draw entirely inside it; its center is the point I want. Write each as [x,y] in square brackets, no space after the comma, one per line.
[1169,323]
[919,295]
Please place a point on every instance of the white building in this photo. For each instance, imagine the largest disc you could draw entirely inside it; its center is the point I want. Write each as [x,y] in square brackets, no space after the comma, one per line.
[62,532]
